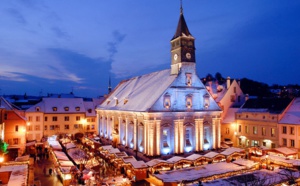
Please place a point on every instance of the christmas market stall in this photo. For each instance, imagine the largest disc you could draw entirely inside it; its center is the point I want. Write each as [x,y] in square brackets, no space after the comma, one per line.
[284,152]
[214,157]
[197,159]
[203,174]
[137,170]
[179,162]
[233,153]
[54,144]
[157,165]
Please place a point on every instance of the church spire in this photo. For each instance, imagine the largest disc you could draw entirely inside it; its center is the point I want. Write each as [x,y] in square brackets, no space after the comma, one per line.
[182,46]
[109,85]
[182,29]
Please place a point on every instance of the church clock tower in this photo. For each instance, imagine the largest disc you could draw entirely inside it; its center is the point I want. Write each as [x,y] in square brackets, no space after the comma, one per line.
[182,46]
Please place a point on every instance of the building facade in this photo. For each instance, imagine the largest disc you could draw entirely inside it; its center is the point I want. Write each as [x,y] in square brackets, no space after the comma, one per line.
[165,112]
[61,116]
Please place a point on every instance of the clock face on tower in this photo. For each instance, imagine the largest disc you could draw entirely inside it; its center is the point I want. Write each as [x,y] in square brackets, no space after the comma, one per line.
[175,57]
[188,55]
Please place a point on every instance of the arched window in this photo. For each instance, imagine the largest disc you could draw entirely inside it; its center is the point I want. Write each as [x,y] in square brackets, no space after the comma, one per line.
[188,79]
[189,101]
[206,101]
[167,101]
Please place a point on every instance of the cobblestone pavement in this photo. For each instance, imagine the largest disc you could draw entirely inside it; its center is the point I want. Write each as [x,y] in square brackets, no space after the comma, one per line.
[42,179]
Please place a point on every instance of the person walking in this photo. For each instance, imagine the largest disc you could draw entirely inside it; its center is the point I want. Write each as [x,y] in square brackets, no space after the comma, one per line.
[44,171]
[50,171]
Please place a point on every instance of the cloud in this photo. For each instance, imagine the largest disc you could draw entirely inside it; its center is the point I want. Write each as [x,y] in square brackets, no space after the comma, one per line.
[118,37]
[16,15]
[58,32]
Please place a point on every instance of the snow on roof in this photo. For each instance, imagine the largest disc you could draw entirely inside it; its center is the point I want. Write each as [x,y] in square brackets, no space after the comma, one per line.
[18,176]
[245,162]
[211,154]
[230,115]
[128,159]
[195,173]
[139,164]
[22,158]
[154,162]
[139,93]
[70,145]
[113,151]
[285,150]
[194,157]
[106,147]
[55,145]
[175,159]
[64,163]
[231,150]
[292,115]
[61,155]
[295,162]
[120,154]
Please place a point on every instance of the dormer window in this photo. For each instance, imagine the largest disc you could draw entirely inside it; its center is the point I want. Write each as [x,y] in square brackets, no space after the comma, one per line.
[54,108]
[108,101]
[188,80]
[206,101]
[77,108]
[117,101]
[189,101]
[125,101]
[89,110]
[66,108]
[37,109]
[167,101]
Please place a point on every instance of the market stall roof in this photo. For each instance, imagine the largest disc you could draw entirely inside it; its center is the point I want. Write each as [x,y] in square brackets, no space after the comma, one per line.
[154,162]
[106,147]
[113,151]
[195,173]
[22,158]
[175,159]
[293,162]
[139,164]
[128,159]
[286,151]
[194,157]
[211,154]
[231,150]
[120,154]
[70,146]
[18,176]
[61,155]
[245,162]
[55,145]
[64,163]
[30,143]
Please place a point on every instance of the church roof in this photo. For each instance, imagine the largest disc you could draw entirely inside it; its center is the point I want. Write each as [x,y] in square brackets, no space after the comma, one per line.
[182,29]
[138,93]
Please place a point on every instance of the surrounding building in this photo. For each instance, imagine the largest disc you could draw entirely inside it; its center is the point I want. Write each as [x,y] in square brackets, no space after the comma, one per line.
[61,116]
[165,112]
[13,128]
[257,122]
[289,129]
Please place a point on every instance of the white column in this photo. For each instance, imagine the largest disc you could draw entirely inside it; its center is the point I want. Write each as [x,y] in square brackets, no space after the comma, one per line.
[214,132]
[151,136]
[158,137]
[200,121]
[146,137]
[126,132]
[176,136]
[196,135]
[135,125]
[120,132]
[98,123]
[219,132]
[181,136]
[112,126]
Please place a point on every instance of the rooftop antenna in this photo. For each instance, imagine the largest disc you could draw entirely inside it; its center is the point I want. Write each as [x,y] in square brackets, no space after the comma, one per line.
[109,85]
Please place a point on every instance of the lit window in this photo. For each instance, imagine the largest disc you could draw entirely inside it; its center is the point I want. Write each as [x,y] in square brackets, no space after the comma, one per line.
[189,101]
[246,129]
[165,138]
[263,131]
[54,108]
[206,101]
[188,138]
[254,130]
[77,108]
[167,101]
[37,127]
[240,128]
[272,132]
[66,108]
[188,79]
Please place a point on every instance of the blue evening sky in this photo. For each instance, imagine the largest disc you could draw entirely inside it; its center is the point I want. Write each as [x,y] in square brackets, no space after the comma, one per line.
[55,46]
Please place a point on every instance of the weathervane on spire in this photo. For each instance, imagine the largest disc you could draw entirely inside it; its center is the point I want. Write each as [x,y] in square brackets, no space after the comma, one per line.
[181,9]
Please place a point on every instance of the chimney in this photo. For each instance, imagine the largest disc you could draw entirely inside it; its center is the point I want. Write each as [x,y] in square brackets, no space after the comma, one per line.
[239,82]
[246,97]
[228,82]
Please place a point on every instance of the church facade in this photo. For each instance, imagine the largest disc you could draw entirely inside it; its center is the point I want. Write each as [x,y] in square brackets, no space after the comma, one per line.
[164,112]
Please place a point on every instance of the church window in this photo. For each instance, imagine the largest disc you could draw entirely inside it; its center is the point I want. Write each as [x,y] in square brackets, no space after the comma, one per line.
[165,138]
[188,79]
[167,101]
[188,138]
[206,101]
[189,101]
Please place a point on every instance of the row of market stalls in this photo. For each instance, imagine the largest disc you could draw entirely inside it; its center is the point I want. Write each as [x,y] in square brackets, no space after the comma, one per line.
[138,170]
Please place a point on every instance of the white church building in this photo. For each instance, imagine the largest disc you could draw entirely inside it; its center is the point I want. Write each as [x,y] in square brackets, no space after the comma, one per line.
[164,112]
